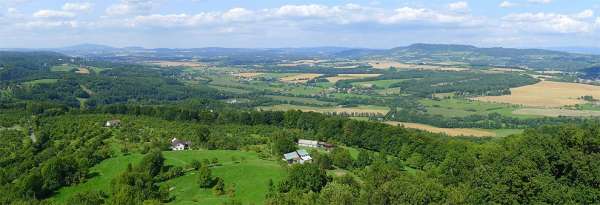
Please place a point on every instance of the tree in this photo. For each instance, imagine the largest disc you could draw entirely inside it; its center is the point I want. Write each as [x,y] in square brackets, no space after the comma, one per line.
[219,188]
[337,194]
[195,164]
[87,198]
[283,143]
[304,177]
[201,136]
[364,158]
[152,163]
[205,179]
[323,160]
[341,158]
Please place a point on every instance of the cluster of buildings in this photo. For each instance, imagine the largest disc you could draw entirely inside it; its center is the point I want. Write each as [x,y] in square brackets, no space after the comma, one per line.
[301,156]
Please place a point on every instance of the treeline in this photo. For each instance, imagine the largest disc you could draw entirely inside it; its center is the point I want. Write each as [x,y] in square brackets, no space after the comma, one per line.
[426,83]
[490,121]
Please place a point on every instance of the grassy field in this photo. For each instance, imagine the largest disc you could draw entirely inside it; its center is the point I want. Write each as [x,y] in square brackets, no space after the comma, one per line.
[547,94]
[358,109]
[380,83]
[461,107]
[350,76]
[552,112]
[63,68]
[300,100]
[41,81]
[250,176]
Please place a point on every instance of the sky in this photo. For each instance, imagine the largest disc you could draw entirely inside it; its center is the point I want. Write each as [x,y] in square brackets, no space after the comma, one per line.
[299,23]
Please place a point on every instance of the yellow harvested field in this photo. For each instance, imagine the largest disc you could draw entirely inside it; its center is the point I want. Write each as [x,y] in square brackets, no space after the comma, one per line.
[349,110]
[557,112]
[176,63]
[546,94]
[350,76]
[83,70]
[405,66]
[449,131]
[300,78]
[248,75]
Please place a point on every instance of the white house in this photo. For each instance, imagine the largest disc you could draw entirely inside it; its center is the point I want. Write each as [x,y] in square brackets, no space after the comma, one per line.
[299,156]
[177,145]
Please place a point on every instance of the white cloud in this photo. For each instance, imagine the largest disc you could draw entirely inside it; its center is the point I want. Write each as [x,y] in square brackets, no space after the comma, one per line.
[550,22]
[312,10]
[238,14]
[53,14]
[408,14]
[588,13]
[459,6]
[540,1]
[77,7]
[508,4]
[130,7]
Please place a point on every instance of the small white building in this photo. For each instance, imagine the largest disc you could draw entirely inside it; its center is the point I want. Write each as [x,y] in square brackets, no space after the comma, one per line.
[113,123]
[177,145]
[308,143]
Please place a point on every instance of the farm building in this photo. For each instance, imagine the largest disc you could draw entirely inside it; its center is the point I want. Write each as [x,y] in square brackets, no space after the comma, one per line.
[308,143]
[177,145]
[299,156]
[314,144]
[113,123]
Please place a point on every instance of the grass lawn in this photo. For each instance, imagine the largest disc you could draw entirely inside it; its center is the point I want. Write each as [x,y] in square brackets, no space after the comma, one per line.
[250,176]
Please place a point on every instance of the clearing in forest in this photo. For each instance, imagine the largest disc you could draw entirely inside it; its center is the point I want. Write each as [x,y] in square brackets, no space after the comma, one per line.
[300,78]
[547,94]
[248,75]
[83,70]
[350,77]
[449,131]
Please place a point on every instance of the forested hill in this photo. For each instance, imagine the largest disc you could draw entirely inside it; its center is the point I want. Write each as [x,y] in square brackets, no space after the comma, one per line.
[75,82]
[536,59]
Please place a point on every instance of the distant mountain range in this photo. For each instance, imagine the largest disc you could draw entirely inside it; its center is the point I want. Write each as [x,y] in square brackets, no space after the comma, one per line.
[538,59]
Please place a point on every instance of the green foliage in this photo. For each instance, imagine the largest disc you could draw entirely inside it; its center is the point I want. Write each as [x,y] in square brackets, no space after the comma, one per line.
[337,194]
[219,187]
[88,198]
[341,158]
[283,143]
[205,179]
[304,177]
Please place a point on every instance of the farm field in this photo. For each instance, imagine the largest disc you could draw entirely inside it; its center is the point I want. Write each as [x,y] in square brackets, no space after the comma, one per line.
[359,109]
[380,83]
[300,78]
[457,107]
[300,100]
[554,112]
[546,94]
[255,173]
[350,76]
[449,131]
[406,66]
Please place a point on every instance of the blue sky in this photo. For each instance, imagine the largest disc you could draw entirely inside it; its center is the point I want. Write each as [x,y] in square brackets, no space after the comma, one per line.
[299,23]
